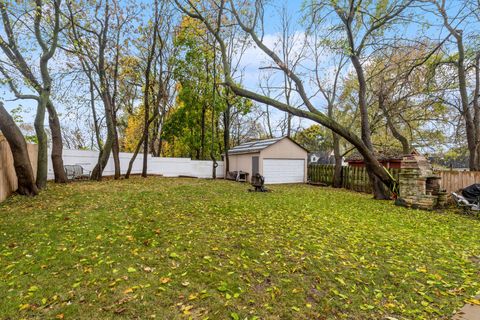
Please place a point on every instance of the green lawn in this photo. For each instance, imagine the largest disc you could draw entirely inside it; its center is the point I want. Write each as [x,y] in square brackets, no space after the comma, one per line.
[184,248]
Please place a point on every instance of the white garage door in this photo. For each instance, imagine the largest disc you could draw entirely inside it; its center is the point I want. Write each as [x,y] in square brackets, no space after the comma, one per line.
[283,171]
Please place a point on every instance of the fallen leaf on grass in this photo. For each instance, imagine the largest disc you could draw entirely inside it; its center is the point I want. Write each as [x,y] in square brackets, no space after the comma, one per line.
[165,280]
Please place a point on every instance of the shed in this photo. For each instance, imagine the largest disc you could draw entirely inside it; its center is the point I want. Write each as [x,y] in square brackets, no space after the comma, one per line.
[279,160]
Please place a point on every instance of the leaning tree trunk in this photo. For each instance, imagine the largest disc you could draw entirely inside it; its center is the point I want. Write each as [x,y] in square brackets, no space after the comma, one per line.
[21,160]
[103,157]
[134,156]
[42,164]
[57,144]
[107,148]
[380,192]
[374,165]
[139,145]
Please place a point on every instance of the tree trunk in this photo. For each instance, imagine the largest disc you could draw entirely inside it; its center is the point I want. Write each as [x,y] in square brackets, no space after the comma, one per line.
[145,142]
[476,107]
[226,136]
[154,138]
[116,148]
[212,152]
[21,160]
[337,173]
[57,144]
[289,124]
[377,169]
[116,156]
[104,154]
[379,191]
[96,124]
[42,164]
[146,97]
[137,148]
[396,134]
[103,157]
[269,124]
[202,133]
[469,125]
[337,176]
[134,156]
[160,146]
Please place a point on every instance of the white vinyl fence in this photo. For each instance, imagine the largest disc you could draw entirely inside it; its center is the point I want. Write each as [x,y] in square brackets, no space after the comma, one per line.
[168,167]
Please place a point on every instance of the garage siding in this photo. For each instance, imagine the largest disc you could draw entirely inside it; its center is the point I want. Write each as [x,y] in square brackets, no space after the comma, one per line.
[242,162]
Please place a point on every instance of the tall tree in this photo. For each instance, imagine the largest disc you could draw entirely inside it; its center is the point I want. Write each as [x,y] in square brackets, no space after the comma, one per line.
[362,22]
[157,85]
[96,33]
[327,78]
[47,42]
[194,121]
[146,92]
[455,20]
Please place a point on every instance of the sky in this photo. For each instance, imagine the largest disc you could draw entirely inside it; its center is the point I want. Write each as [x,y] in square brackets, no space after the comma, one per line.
[254,60]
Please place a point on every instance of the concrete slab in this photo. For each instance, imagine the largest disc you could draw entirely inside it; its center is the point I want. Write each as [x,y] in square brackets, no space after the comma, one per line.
[468,312]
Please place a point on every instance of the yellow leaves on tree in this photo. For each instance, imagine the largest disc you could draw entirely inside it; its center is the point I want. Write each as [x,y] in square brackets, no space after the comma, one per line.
[134,130]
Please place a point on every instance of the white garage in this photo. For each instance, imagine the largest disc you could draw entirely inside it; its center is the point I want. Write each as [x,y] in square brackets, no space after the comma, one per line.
[284,170]
[279,160]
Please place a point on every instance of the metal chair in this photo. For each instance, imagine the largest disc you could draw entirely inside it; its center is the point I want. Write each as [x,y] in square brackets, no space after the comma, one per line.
[76,172]
[465,205]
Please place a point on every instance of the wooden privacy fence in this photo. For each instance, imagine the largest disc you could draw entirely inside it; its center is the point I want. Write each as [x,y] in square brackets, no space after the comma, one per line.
[454,180]
[356,179]
[8,177]
[353,178]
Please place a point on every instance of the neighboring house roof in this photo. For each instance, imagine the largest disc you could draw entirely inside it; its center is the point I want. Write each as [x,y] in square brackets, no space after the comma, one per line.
[257,146]
[321,157]
[461,162]
[386,155]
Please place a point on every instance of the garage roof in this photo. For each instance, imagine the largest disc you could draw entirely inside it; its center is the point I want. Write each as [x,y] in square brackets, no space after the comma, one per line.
[256,146]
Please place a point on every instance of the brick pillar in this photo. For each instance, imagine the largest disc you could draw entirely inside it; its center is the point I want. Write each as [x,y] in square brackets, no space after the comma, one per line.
[408,182]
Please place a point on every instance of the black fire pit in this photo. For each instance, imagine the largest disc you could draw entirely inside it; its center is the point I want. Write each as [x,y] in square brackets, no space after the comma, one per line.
[258,182]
